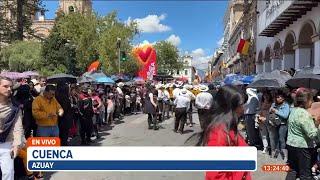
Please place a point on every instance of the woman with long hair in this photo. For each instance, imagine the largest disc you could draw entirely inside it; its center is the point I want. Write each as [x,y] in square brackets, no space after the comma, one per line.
[222,129]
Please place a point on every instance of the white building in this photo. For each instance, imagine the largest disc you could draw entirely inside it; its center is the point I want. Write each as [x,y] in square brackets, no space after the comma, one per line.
[288,35]
[186,71]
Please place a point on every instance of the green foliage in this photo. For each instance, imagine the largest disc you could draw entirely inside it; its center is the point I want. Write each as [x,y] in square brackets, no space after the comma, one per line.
[59,55]
[110,28]
[19,24]
[167,57]
[94,36]
[21,56]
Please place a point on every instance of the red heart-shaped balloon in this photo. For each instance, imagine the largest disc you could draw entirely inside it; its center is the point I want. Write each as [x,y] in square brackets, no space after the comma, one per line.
[145,55]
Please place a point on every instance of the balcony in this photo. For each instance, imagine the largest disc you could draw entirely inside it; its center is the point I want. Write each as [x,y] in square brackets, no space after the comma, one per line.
[280,14]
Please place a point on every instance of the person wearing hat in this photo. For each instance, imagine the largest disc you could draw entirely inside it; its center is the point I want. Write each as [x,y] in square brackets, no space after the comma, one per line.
[204,101]
[182,103]
[166,102]
[192,98]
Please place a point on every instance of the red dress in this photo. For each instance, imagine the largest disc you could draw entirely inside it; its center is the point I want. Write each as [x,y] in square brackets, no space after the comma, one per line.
[218,137]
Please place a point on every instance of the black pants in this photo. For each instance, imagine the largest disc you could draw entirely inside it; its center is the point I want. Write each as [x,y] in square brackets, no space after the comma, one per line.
[181,118]
[300,161]
[203,117]
[152,119]
[252,132]
[190,114]
[86,128]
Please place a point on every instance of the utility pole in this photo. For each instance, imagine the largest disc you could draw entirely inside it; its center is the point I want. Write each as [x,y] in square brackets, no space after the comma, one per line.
[119,51]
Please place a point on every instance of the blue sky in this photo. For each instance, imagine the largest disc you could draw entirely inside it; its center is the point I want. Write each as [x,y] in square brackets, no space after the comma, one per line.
[194,26]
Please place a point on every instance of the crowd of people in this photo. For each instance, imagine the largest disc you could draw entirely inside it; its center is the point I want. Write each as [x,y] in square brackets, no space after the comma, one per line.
[278,121]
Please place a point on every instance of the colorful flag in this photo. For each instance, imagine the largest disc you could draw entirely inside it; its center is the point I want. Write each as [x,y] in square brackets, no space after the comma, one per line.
[243,47]
[94,66]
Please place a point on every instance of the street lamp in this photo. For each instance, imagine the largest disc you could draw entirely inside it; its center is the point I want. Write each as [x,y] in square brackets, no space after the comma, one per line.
[119,49]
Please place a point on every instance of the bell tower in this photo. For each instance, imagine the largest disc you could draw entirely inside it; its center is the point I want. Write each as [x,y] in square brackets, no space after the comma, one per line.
[82,6]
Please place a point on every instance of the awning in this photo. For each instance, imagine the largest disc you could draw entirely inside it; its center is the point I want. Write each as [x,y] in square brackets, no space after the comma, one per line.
[295,11]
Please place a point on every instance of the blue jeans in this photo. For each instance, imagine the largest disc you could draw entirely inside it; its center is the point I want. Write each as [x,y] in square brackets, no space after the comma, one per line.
[283,128]
[48,131]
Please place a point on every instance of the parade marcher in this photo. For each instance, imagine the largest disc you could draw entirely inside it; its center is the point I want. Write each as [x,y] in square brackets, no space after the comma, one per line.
[160,89]
[302,134]
[222,129]
[11,130]
[250,110]
[192,99]
[45,110]
[279,113]
[102,109]
[182,103]
[65,121]
[204,101]
[166,103]
[86,116]
[151,107]
[133,99]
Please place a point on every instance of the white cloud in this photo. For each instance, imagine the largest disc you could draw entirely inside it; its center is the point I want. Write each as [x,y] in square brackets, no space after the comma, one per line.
[150,23]
[173,39]
[200,59]
[219,43]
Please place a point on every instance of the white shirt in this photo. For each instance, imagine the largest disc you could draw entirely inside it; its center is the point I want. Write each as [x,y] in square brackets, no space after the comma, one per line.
[204,100]
[176,92]
[182,101]
[191,95]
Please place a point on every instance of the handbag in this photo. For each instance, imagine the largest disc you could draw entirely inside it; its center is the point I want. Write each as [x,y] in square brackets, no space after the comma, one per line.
[274,120]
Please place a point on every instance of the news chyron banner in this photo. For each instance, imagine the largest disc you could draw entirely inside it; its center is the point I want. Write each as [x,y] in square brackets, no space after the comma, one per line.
[47,156]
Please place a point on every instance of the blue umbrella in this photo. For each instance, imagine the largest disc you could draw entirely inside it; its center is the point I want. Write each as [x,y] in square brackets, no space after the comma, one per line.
[105,80]
[233,79]
[247,79]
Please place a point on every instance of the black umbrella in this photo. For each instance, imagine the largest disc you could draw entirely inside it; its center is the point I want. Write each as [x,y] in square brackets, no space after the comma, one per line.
[85,79]
[311,81]
[62,78]
[274,79]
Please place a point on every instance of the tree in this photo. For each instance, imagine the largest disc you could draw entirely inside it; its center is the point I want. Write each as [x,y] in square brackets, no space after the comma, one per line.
[21,56]
[167,57]
[59,55]
[22,13]
[80,30]
[92,35]
[110,29]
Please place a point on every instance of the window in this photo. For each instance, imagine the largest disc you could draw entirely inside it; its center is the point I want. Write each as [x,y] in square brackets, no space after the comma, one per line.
[178,72]
[186,72]
[71,9]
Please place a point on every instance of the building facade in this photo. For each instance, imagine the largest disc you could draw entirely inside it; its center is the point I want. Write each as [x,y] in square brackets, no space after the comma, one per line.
[239,23]
[43,26]
[288,35]
[186,72]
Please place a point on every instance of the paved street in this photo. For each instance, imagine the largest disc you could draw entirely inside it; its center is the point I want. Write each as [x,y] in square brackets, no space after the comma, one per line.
[132,131]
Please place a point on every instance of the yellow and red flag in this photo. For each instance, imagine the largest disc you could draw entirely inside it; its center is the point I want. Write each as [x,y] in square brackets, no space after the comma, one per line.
[243,47]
